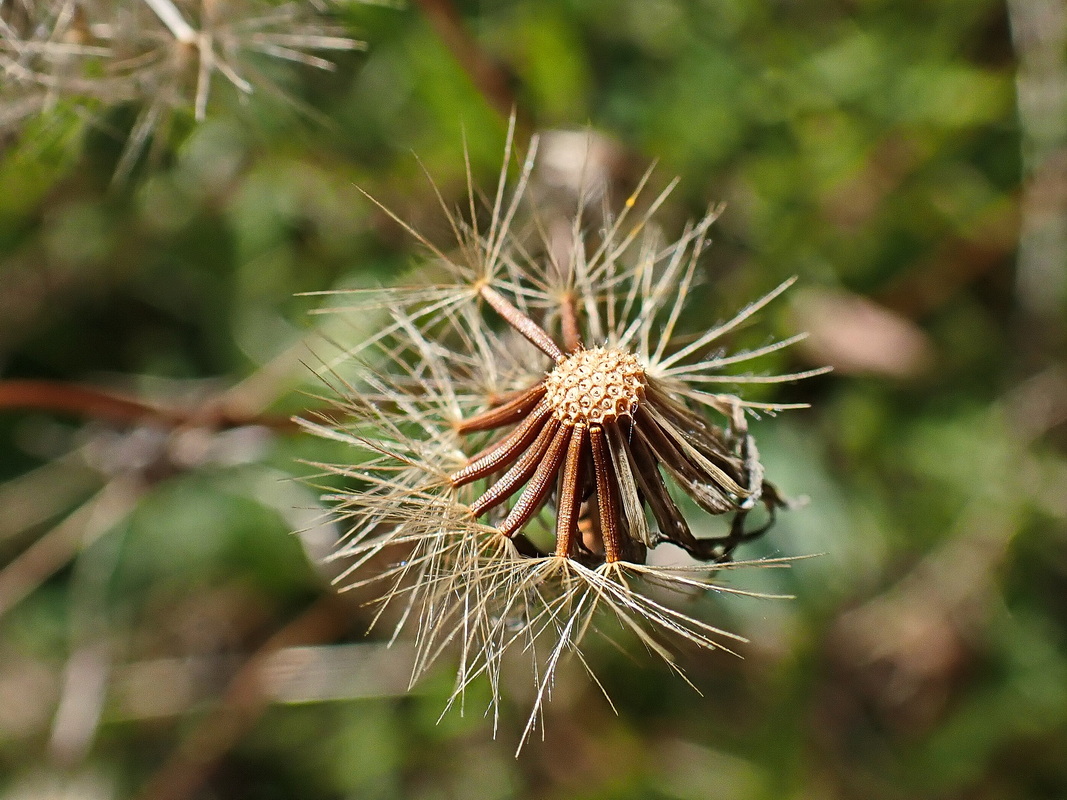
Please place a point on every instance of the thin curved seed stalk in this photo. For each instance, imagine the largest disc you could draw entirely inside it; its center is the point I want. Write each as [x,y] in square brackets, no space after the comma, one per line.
[497,233]
[685,284]
[170,16]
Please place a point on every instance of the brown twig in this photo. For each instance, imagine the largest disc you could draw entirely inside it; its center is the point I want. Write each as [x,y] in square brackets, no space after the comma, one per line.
[491,78]
[87,401]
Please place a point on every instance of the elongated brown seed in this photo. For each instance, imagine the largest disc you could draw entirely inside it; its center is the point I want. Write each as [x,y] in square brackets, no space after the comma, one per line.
[567,500]
[519,473]
[507,413]
[500,454]
[606,501]
[522,323]
[537,489]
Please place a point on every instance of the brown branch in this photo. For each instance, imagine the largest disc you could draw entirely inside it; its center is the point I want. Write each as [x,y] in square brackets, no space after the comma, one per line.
[491,78]
[93,403]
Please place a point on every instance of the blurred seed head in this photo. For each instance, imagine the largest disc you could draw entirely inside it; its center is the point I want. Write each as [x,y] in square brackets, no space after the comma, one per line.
[165,56]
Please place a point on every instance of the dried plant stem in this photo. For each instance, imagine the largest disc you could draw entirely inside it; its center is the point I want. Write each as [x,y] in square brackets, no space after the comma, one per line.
[244,700]
[86,401]
[488,76]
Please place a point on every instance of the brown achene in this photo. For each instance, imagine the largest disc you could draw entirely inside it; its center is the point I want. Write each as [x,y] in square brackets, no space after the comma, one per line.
[596,431]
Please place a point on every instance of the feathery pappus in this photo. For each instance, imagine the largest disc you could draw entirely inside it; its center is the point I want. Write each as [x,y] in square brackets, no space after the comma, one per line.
[516,429]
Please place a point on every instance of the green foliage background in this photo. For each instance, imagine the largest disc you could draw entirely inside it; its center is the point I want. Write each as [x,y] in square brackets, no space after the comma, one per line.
[871,147]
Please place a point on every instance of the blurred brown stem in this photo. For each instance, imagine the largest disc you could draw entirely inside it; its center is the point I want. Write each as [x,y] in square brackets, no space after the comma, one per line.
[86,401]
[245,699]
[489,76]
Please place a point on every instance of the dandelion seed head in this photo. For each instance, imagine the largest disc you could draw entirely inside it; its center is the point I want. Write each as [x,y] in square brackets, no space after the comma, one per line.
[526,430]
[595,386]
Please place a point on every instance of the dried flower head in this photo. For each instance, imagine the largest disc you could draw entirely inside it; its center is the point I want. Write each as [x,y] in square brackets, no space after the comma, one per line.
[515,430]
